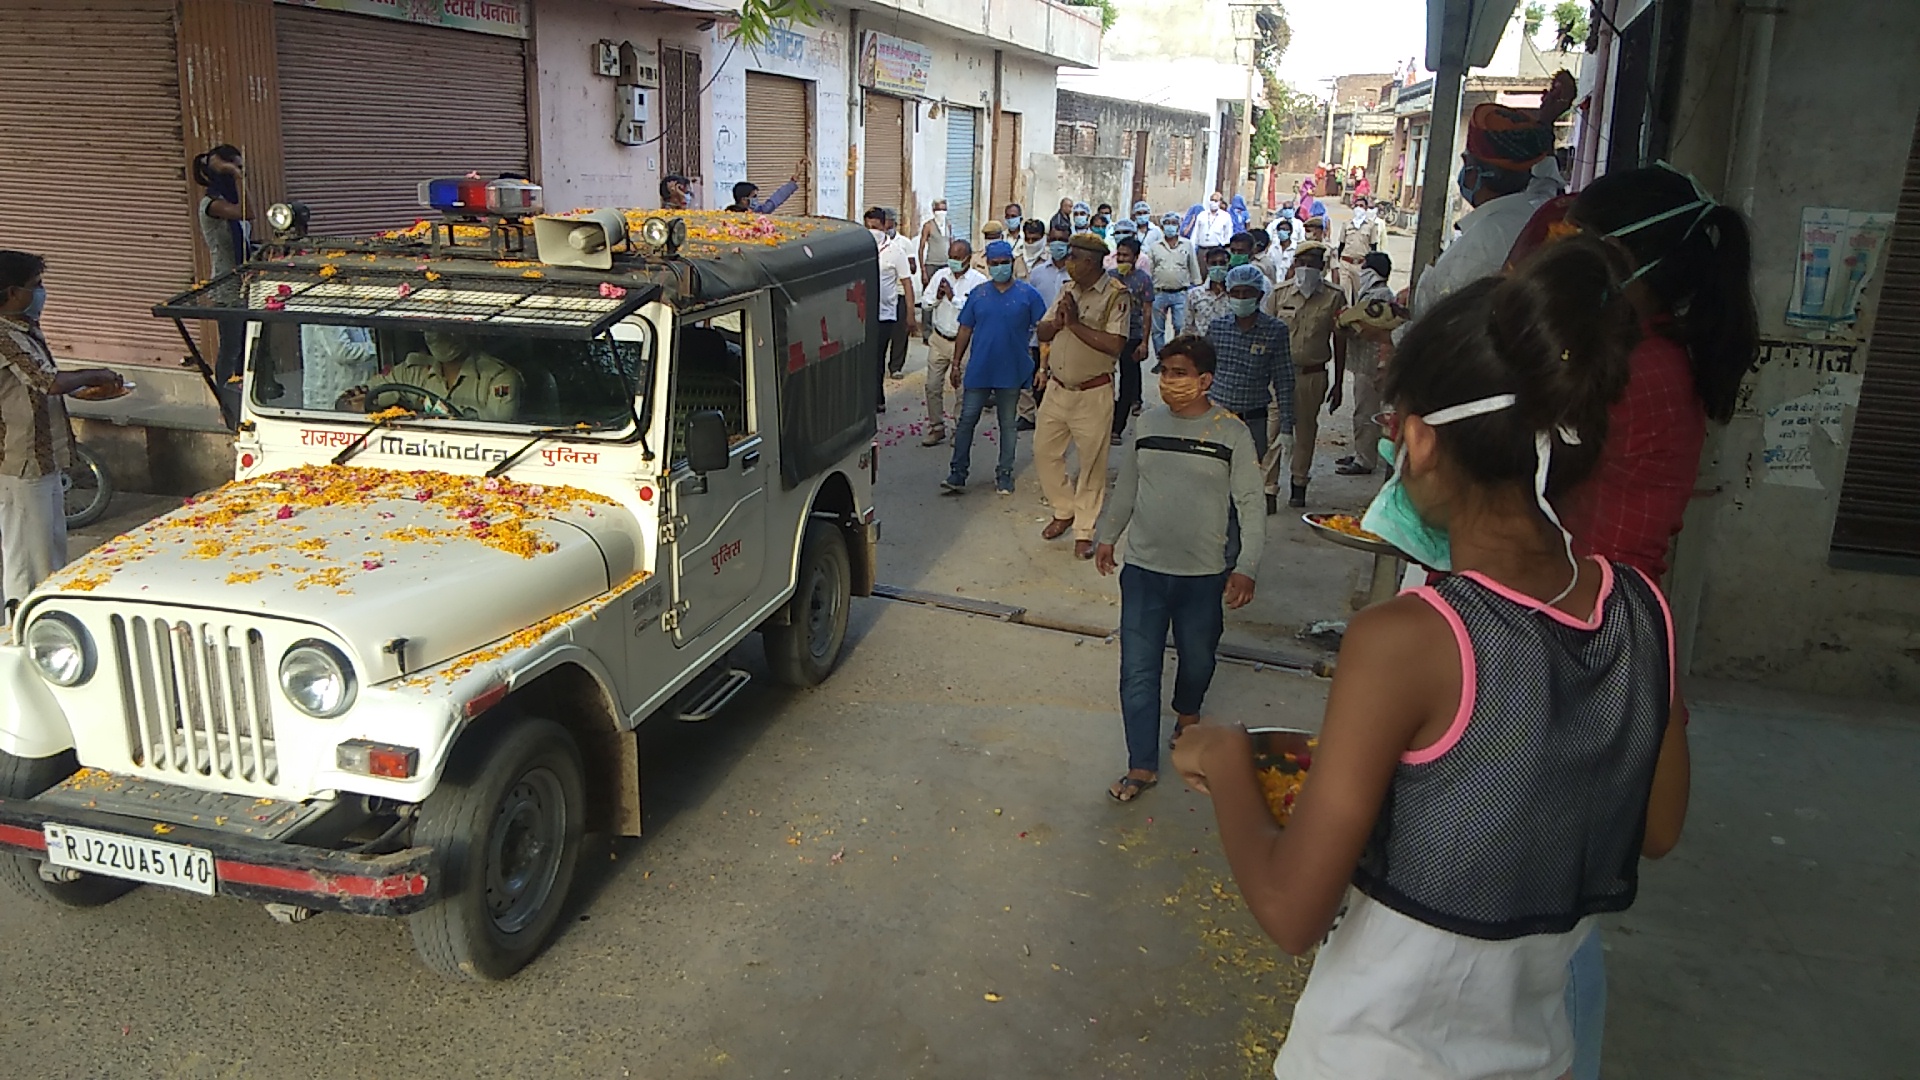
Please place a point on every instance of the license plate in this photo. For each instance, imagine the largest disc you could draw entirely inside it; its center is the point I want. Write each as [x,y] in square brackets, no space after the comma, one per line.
[112,855]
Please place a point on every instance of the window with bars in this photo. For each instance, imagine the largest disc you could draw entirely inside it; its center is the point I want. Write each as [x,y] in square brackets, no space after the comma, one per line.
[680,112]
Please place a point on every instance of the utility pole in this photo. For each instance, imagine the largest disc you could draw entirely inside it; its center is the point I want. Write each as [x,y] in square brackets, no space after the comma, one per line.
[1333,102]
[1246,31]
[1436,176]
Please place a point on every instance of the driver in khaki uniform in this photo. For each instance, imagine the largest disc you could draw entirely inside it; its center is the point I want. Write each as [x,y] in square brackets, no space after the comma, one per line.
[482,387]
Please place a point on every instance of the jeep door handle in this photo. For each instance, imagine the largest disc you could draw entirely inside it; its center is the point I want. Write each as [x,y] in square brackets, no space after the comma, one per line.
[749,460]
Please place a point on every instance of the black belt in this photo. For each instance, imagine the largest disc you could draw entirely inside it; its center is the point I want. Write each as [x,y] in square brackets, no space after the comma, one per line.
[1169,290]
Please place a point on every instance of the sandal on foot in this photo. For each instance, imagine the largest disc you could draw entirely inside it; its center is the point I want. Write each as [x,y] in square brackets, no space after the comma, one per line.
[1056,528]
[1128,788]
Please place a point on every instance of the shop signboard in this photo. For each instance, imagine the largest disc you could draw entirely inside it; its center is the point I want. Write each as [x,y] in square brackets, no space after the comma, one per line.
[894,65]
[502,18]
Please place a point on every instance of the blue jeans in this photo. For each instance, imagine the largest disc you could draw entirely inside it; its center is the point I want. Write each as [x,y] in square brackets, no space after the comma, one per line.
[1150,602]
[1587,1005]
[973,401]
[1163,302]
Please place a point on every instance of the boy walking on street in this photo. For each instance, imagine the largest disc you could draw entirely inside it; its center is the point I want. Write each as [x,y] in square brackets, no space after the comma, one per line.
[1308,304]
[994,327]
[1190,464]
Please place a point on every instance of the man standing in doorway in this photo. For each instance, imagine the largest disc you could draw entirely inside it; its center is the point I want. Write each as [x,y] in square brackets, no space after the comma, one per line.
[36,441]
[1309,306]
[1048,275]
[992,363]
[1086,330]
[1215,226]
[946,296]
[1176,268]
[934,242]
[1190,472]
[1253,370]
[895,303]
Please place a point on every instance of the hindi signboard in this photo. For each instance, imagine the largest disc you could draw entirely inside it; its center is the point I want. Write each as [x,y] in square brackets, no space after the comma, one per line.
[894,65]
[501,18]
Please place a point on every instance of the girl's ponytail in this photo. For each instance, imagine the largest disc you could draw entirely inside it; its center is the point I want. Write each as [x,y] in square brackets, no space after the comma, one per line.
[1721,327]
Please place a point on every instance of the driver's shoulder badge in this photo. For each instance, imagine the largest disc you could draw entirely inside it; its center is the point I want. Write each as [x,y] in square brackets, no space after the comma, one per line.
[503,390]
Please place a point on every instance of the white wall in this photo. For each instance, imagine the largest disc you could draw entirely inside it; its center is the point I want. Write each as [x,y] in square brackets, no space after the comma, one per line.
[818,54]
[580,163]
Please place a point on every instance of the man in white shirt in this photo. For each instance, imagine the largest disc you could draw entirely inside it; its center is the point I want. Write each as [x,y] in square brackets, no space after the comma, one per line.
[1215,225]
[1280,255]
[946,295]
[896,317]
[1175,269]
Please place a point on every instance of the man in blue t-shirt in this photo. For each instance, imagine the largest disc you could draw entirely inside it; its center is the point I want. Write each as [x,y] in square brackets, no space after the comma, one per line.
[990,359]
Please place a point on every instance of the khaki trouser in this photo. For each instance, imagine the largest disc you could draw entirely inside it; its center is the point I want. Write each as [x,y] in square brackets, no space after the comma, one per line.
[1363,362]
[1309,397]
[33,533]
[1083,418]
[939,369]
[1279,446]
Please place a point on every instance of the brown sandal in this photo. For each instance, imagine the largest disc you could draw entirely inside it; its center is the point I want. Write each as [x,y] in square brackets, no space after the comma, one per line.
[1128,788]
[1056,528]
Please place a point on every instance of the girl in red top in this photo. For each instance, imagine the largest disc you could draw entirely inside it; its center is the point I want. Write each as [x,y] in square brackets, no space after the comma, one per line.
[1693,295]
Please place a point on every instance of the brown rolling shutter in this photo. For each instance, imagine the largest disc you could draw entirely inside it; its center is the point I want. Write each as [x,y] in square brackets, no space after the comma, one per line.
[883,174]
[371,107]
[92,176]
[1006,163]
[779,137]
[1879,510]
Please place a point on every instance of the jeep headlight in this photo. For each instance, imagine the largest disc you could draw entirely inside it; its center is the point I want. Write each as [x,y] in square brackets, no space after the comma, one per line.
[61,648]
[317,678]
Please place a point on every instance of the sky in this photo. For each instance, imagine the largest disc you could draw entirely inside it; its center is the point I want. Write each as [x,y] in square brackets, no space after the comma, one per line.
[1330,37]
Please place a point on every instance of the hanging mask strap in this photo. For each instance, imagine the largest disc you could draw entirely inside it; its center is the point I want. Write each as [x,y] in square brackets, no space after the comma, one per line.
[1470,409]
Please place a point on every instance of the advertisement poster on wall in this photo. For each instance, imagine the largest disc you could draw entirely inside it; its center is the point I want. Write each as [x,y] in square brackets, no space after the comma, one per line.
[894,65]
[502,18]
[1840,253]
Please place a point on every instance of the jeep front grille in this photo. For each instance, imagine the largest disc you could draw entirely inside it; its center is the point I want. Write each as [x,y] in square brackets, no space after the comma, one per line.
[196,698]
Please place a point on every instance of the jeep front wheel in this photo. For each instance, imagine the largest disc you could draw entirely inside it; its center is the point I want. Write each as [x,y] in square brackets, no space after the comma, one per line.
[504,824]
[23,778]
[806,650]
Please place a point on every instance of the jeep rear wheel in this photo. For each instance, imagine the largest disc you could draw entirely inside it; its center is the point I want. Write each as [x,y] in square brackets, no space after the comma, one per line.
[23,778]
[504,824]
[807,649]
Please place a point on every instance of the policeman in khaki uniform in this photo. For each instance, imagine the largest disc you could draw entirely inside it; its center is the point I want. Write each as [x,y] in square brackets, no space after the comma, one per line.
[1309,305]
[1086,331]
[482,387]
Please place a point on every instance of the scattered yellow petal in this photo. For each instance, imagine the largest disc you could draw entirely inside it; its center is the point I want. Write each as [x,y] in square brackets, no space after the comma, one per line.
[991,996]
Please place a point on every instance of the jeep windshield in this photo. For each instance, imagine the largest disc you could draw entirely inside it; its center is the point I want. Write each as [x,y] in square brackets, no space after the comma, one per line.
[444,375]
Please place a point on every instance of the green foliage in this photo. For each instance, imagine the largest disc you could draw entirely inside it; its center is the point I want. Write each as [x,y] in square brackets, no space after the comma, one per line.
[1265,144]
[1108,12]
[760,18]
[1534,15]
[1570,24]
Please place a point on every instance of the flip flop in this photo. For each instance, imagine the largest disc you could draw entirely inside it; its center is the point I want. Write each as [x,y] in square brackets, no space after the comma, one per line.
[1132,786]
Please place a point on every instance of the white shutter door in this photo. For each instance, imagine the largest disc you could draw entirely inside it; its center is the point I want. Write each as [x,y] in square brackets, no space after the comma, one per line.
[961,170]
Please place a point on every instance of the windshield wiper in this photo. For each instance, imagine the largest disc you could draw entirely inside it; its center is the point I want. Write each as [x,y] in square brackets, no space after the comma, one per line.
[541,435]
[348,451]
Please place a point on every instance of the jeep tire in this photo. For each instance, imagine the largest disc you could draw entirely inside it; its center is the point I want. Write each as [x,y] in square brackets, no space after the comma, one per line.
[505,825]
[23,778]
[805,650]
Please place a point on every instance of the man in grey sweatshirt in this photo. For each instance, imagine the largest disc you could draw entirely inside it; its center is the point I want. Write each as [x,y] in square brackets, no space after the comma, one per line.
[1189,462]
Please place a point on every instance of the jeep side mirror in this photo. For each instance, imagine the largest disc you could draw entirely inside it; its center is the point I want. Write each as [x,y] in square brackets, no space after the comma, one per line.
[707,441]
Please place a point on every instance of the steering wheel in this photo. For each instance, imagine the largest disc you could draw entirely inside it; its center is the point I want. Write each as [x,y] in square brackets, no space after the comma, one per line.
[425,396]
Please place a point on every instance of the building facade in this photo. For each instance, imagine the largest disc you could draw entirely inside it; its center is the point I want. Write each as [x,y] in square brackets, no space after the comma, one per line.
[1122,152]
[346,104]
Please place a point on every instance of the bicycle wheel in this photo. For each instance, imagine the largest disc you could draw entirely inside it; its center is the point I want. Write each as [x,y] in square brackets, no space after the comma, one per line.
[88,489]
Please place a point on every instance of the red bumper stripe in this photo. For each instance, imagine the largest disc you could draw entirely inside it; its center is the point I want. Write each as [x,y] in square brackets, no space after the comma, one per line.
[15,836]
[314,881]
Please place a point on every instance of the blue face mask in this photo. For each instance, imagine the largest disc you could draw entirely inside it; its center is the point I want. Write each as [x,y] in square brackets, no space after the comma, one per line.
[1080,221]
[1394,518]
[36,305]
[1001,272]
[1100,230]
[1142,220]
[1057,250]
[1013,223]
[1468,191]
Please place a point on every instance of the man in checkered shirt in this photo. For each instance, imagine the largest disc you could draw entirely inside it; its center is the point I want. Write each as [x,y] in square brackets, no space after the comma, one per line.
[1253,370]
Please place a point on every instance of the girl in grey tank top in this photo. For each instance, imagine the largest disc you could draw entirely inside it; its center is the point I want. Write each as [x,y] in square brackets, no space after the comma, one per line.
[1496,755]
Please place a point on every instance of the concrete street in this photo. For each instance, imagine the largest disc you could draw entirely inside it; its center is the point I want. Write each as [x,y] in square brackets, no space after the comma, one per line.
[914,871]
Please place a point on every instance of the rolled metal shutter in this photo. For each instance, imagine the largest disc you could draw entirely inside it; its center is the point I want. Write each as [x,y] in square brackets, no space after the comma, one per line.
[371,107]
[94,176]
[779,137]
[961,125]
[1879,509]
[883,175]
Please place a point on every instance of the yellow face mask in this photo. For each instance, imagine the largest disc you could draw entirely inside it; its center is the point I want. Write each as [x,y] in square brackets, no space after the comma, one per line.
[1180,391]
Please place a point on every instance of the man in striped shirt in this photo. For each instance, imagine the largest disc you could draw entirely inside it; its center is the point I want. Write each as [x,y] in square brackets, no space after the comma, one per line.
[35,440]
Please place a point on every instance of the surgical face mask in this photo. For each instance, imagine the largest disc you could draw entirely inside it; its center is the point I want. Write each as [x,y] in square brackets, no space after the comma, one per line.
[1238,259]
[893,231]
[1393,517]
[1142,220]
[1216,273]
[879,235]
[1080,221]
[1180,391]
[1013,223]
[1213,204]
[1242,306]
[35,305]
[940,219]
[1100,231]
[1057,250]
[956,265]
[1283,237]
[1001,272]
[1307,278]
[1470,191]
[1171,227]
